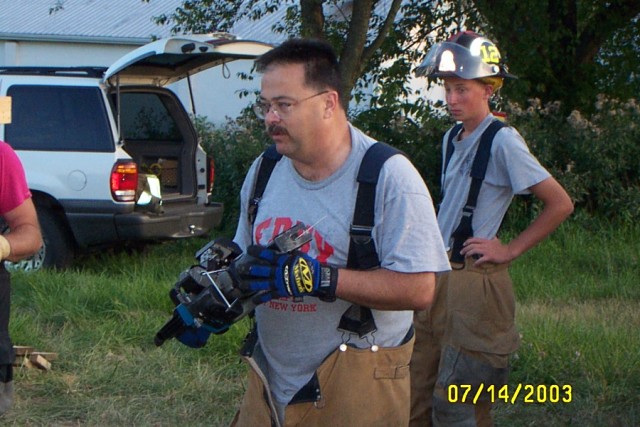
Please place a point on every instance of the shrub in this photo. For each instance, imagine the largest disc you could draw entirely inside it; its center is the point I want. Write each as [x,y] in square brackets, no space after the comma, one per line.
[234,145]
[596,158]
[420,141]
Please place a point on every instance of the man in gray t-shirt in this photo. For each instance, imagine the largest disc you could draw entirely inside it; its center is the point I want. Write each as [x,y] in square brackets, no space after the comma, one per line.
[307,371]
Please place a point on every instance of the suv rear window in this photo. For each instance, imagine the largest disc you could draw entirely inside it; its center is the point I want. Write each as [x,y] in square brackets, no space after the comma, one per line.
[145,116]
[58,118]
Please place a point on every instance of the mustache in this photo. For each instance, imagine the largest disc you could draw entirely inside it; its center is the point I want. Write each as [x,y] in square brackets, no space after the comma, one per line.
[276,130]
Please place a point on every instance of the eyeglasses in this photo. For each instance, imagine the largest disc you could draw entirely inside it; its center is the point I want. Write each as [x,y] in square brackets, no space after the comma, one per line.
[280,108]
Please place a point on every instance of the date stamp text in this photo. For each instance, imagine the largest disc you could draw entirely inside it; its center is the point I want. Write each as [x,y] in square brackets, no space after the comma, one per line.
[518,393]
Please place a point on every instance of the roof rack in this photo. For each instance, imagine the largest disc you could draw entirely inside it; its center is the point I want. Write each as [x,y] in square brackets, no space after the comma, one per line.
[95,72]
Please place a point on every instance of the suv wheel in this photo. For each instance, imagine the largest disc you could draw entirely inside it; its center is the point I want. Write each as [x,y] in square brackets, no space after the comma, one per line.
[57,249]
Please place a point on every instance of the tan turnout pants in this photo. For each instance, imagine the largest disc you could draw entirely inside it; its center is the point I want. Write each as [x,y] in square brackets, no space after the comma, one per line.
[359,387]
[464,340]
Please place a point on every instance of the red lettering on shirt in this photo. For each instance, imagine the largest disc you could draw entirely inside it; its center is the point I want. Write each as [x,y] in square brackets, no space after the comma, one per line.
[281,225]
[277,305]
[304,308]
[287,304]
[271,227]
[325,250]
[261,228]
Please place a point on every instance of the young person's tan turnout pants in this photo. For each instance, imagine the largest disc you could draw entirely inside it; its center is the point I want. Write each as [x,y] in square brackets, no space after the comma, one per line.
[464,340]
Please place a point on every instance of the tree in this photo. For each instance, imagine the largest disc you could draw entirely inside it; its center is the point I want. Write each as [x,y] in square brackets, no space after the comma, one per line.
[379,42]
[567,50]
[562,50]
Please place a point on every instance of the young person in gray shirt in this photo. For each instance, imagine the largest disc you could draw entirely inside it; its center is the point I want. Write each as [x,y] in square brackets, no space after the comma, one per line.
[464,339]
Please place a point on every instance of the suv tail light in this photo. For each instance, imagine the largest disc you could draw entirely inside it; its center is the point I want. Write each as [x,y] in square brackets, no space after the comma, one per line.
[211,174]
[124,181]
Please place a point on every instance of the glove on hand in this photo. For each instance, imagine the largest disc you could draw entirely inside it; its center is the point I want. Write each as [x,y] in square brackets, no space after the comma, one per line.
[284,275]
[5,248]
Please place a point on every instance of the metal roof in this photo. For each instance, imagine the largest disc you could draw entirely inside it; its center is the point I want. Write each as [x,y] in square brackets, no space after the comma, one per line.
[105,21]
[119,21]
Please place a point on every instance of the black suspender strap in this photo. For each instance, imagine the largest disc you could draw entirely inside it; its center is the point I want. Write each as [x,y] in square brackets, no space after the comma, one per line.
[478,171]
[269,159]
[450,147]
[362,249]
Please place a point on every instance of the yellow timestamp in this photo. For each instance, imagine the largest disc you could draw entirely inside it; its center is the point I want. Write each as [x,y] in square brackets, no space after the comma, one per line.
[525,393]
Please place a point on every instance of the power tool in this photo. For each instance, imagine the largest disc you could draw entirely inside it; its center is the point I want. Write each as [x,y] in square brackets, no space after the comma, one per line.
[206,296]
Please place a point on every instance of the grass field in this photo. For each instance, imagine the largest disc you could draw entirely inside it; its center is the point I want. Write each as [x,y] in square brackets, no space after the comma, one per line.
[578,313]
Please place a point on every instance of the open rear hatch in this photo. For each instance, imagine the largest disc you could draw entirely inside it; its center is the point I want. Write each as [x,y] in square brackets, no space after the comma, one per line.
[168,60]
[153,126]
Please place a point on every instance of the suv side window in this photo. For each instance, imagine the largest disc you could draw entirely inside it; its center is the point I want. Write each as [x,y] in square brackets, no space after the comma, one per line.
[146,117]
[58,118]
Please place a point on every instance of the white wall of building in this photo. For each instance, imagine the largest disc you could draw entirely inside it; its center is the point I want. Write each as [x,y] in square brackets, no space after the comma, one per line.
[24,53]
[216,91]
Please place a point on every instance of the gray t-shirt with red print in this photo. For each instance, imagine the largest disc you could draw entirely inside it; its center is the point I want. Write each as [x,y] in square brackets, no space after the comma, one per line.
[295,336]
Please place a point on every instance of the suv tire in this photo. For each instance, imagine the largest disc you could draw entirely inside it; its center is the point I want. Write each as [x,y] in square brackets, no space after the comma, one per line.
[57,249]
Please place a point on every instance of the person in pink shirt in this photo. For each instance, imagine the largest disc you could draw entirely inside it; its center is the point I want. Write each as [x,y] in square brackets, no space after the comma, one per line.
[21,239]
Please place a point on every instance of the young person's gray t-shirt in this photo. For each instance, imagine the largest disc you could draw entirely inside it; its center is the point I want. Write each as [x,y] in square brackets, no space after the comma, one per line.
[295,336]
[512,169]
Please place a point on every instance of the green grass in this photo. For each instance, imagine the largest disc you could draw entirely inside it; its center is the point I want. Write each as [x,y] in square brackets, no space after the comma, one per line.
[578,313]
[581,263]
[593,347]
[101,318]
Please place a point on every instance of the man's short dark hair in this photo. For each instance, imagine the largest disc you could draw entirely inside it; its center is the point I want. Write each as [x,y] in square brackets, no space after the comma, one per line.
[318,57]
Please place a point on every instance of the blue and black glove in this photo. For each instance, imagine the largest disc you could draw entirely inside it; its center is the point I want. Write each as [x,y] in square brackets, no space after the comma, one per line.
[275,275]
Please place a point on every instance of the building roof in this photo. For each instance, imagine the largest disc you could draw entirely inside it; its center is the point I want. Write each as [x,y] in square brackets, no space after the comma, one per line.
[104,21]
[120,21]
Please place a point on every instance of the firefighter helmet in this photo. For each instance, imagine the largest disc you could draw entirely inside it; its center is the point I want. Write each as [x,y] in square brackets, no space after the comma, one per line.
[466,55]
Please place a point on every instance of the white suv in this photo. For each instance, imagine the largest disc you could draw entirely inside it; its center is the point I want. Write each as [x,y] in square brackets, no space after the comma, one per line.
[111,155]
